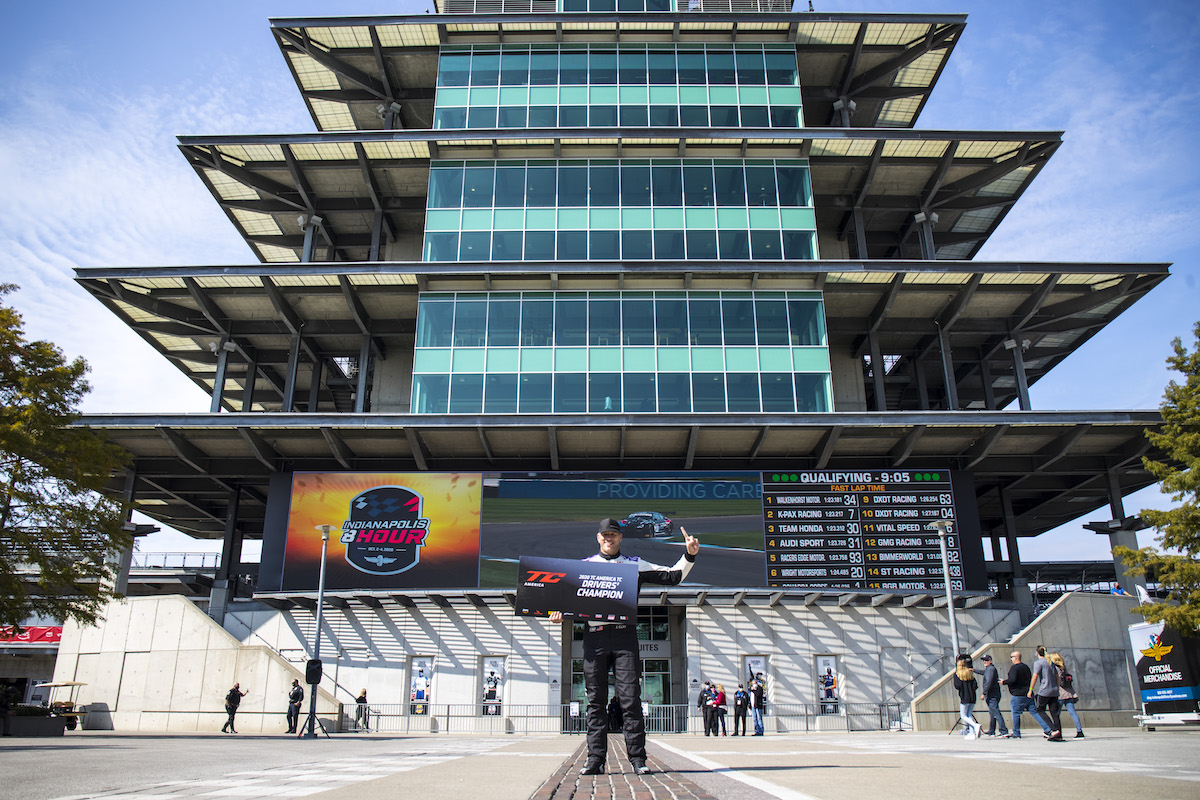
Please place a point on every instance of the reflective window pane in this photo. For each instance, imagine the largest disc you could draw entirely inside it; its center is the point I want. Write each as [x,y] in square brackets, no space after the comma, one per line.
[535,391]
[500,394]
[698,186]
[503,325]
[637,317]
[602,67]
[475,246]
[671,324]
[668,245]
[537,323]
[667,185]
[674,392]
[543,69]
[436,325]
[514,69]
[742,391]
[640,395]
[632,70]
[811,393]
[570,393]
[635,186]
[431,394]
[604,392]
[701,244]
[445,188]
[510,187]
[806,319]
[777,393]
[466,394]
[739,321]
[570,322]
[708,392]
[454,69]
[730,186]
[604,322]
[477,187]
[470,323]
[771,321]
[705,321]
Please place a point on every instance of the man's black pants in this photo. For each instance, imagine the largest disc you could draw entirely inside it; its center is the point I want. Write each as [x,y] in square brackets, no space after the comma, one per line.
[739,716]
[293,716]
[613,647]
[1048,707]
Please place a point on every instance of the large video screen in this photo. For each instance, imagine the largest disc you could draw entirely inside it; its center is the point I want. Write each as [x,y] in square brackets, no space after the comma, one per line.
[464,530]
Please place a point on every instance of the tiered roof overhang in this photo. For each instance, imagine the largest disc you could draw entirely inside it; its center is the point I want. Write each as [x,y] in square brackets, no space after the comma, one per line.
[346,67]
[269,185]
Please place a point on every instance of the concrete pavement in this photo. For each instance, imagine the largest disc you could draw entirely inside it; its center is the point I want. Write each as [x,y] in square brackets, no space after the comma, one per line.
[1115,762]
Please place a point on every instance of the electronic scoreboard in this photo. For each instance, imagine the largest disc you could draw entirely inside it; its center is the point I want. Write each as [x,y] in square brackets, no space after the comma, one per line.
[871,530]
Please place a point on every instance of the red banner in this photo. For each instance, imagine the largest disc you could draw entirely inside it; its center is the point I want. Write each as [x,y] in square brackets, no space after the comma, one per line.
[33,634]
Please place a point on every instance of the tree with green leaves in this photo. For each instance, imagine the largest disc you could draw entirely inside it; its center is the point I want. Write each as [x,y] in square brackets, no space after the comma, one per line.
[59,536]
[1176,567]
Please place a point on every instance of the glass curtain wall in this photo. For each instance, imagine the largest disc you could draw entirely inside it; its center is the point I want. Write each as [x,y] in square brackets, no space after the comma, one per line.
[634,85]
[632,352]
[631,209]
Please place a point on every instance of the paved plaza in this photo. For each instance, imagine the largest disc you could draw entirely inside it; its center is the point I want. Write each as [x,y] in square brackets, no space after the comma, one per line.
[1116,763]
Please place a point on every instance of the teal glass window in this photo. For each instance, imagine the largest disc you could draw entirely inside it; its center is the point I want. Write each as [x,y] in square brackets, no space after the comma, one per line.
[564,352]
[604,392]
[500,394]
[718,73]
[660,209]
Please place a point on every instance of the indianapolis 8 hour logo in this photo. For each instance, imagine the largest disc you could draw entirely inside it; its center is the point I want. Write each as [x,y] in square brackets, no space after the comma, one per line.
[385,530]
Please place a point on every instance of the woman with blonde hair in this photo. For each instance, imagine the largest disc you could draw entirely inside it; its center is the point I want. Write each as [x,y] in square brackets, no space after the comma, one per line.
[966,684]
[720,709]
[1066,691]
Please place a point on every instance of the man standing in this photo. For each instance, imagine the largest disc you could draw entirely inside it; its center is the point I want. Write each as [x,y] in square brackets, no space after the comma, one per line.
[741,704]
[232,701]
[705,704]
[1046,688]
[612,645]
[295,701]
[758,702]
[991,696]
[1017,682]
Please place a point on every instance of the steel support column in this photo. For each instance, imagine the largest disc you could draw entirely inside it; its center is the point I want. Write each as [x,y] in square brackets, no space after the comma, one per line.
[218,393]
[948,369]
[1018,358]
[225,584]
[289,386]
[1021,591]
[877,372]
[1124,536]
[364,364]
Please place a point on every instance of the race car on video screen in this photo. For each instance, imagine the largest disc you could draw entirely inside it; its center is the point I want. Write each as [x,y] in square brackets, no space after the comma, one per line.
[647,524]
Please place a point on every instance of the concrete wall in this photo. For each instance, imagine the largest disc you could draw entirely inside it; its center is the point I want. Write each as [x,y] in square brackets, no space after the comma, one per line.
[1091,633]
[887,654]
[161,664]
[371,648]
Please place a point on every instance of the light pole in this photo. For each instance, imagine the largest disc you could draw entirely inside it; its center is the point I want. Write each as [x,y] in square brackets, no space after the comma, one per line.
[311,733]
[943,526]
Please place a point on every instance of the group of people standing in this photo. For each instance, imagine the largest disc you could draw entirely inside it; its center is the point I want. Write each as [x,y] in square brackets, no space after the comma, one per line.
[1042,691]
[713,703]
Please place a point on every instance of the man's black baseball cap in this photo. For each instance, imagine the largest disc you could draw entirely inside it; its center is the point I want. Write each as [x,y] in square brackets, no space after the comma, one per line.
[609,524]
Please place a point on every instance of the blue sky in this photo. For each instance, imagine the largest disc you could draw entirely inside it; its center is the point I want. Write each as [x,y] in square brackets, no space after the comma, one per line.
[92,96]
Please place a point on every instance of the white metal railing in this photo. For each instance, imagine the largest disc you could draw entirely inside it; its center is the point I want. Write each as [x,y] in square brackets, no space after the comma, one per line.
[175,560]
[550,6]
[482,718]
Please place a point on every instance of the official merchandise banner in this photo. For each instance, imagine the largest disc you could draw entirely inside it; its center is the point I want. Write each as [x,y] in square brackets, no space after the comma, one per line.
[31,634]
[387,530]
[580,589]
[1168,664]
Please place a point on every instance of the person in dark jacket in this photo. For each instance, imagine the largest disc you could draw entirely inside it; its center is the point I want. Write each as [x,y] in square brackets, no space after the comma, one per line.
[1045,692]
[295,701]
[991,695]
[741,705]
[614,645]
[232,700]
[1018,680]
[967,687]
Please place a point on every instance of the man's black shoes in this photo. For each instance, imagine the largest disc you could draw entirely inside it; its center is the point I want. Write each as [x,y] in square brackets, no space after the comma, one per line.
[593,768]
[640,767]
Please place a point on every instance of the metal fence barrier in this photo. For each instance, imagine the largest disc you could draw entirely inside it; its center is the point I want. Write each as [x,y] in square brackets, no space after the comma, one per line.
[484,718]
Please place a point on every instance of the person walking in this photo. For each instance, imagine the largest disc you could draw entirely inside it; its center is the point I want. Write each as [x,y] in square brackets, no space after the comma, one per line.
[966,685]
[758,702]
[362,712]
[721,709]
[232,700]
[1066,692]
[1045,688]
[614,645]
[741,705]
[1018,679]
[991,696]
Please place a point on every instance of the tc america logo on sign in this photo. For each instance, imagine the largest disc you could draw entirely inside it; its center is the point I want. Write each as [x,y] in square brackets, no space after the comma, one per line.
[386,530]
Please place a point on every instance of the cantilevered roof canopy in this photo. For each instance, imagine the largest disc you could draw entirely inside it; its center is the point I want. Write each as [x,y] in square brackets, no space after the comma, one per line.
[1052,463]
[267,183]
[347,68]
[983,310]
